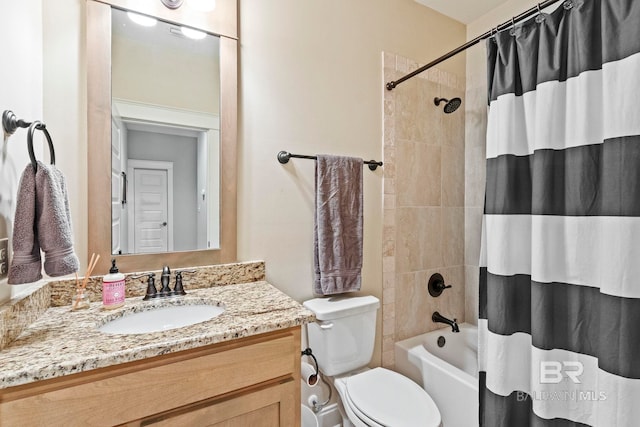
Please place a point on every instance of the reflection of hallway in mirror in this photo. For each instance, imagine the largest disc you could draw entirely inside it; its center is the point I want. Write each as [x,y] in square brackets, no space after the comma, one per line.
[151,198]
[163,146]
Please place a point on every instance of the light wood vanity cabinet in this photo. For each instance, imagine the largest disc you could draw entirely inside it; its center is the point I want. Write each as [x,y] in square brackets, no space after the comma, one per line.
[251,382]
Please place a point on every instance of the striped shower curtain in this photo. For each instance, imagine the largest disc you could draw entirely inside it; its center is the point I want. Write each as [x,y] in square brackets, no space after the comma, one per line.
[560,262]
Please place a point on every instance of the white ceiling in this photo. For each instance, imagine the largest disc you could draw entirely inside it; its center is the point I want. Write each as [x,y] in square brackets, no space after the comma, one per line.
[465,11]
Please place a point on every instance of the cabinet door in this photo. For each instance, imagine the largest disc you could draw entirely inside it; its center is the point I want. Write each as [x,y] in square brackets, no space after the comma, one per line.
[118,394]
[266,407]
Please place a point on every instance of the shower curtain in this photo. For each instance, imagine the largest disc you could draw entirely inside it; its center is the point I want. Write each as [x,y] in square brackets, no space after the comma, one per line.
[560,261]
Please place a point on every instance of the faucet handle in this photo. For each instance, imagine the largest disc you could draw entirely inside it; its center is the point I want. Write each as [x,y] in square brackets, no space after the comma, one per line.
[151,285]
[436,285]
[179,289]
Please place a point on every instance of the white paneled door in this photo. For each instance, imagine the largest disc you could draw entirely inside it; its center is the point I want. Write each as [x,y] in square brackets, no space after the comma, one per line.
[152,193]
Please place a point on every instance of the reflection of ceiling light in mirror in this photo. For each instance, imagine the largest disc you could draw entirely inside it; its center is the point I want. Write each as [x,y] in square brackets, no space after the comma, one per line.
[145,21]
[203,5]
[193,34]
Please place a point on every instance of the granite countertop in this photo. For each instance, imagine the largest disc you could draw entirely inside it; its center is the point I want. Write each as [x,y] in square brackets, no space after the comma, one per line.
[62,342]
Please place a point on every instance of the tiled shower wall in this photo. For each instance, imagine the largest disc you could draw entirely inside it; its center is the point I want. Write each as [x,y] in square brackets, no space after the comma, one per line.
[424,202]
[475,177]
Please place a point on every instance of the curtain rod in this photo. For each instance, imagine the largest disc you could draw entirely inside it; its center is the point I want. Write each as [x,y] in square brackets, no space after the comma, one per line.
[524,15]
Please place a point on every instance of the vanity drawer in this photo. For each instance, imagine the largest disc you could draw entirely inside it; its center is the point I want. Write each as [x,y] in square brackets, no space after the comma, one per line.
[136,390]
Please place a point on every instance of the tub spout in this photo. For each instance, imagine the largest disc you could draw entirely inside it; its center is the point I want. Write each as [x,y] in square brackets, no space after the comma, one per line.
[439,318]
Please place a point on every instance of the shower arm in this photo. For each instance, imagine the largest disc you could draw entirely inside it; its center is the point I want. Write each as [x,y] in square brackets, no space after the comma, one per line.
[505,25]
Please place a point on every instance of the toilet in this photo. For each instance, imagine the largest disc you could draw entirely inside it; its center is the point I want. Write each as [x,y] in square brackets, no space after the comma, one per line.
[342,339]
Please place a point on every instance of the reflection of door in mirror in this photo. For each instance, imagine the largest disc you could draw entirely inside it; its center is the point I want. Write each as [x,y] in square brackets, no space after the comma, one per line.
[118,182]
[152,194]
[165,109]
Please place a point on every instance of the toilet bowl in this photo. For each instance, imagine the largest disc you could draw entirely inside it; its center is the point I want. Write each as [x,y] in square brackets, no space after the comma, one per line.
[380,397]
[342,339]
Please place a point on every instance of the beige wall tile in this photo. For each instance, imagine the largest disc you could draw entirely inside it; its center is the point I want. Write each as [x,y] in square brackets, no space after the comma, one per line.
[388,233]
[389,359]
[389,218]
[453,241]
[410,306]
[389,280]
[473,234]
[408,111]
[472,276]
[431,119]
[388,295]
[388,343]
[389,60]
[389,311]
[389,156]
[475,176]
[390,202]
[388,248]
[401,64]
[425,195]
[419,180]
[388,264]
[453,176]
[418,239]
[417,118]
[476,122]
[389,186]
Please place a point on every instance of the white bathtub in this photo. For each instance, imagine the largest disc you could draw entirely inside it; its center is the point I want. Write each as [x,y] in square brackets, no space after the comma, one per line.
[448,373]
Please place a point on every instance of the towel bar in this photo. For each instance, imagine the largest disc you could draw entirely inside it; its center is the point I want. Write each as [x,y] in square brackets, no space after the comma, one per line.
[284,156]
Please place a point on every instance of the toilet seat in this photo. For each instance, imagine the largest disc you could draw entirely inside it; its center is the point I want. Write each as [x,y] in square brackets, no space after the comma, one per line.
[380,397]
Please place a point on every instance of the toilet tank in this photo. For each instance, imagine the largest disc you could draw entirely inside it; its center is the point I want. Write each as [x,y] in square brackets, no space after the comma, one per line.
[344,332]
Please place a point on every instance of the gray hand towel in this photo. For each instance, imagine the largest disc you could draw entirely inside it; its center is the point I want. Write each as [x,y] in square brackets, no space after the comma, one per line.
[42,221]
[25,265]
[338,225]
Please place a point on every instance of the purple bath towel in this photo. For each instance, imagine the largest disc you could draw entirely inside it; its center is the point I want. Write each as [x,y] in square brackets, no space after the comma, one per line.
[42,221]
[338,225]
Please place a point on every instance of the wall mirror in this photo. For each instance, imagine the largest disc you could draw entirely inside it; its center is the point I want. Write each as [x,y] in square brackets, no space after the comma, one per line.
[162,108]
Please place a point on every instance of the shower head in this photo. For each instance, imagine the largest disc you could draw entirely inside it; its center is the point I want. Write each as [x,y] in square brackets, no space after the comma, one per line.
[450,106]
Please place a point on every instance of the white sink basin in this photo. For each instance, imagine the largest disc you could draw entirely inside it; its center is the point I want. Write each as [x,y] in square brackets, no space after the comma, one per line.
[161,319]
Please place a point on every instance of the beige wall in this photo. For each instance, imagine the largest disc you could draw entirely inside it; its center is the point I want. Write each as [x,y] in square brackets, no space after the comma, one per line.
[21,92]
[475,143]
[310,82]
[169,77]
[423,203]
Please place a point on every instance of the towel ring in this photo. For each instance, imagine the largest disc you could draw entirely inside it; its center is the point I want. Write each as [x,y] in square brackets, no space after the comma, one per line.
[32,128]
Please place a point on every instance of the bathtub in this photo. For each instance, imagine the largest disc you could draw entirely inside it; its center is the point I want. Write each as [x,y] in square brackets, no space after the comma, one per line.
[449,373]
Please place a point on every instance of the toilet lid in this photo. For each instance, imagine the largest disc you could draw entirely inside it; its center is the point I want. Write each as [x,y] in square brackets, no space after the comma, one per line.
[391,399]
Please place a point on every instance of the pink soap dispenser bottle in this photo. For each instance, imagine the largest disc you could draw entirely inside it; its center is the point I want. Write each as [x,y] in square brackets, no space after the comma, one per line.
[113,288]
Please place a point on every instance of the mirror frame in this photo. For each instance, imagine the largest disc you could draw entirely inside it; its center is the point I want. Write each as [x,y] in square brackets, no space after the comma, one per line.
[222,21]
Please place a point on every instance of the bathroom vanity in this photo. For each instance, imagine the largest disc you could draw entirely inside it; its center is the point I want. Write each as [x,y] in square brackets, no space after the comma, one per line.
[251,381]
[239,368]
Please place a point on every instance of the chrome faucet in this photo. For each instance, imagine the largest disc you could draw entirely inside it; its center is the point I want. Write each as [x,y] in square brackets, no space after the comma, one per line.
[439,318]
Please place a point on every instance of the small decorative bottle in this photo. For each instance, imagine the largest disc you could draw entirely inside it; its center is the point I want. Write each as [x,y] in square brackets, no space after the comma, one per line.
[113,288]
[81,299]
